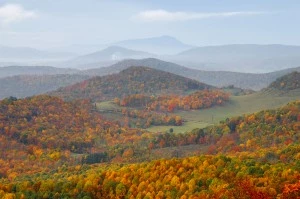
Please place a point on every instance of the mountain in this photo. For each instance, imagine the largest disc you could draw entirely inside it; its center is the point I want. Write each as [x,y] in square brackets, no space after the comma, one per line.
[27,85]
[255,81]
[287,82]
[240,57]
[22,54]
[157,45]
[34,70]
[133,80]
[107,56]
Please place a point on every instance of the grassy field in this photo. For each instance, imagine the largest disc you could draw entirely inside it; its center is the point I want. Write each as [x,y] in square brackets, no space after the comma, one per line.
[108,105]
[237,105]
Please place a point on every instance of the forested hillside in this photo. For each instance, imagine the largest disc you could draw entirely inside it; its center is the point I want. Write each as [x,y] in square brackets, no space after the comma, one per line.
[193,177]
[251,156]
[134,80]
[39,130]
[287,82]
[170,103]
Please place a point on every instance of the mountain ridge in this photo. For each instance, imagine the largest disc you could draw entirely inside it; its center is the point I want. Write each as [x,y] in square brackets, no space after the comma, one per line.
[255,81]
[45,79]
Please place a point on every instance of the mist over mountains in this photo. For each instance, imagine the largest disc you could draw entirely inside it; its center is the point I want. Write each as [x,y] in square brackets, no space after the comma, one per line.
[155,45]
[246,58]
[27,54]
[106,57]
[241,57]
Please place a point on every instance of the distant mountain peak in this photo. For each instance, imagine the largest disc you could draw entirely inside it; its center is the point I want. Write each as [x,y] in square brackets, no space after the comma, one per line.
[164,44]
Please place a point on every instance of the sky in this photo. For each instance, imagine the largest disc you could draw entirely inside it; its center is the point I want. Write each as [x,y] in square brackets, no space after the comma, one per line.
[46,24]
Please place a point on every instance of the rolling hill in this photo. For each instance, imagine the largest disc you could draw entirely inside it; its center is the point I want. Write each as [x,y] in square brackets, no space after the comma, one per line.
[133,80]
[255,81]
[34,70]
[27,85]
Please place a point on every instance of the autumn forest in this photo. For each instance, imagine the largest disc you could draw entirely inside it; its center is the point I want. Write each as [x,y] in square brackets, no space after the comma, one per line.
[95,139]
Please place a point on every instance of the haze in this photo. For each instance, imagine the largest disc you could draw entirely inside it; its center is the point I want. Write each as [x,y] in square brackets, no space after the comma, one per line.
[56,24]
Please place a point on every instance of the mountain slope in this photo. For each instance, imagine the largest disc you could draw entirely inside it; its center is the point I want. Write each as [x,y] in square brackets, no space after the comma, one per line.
[34,70]
[240,57]
[157,45]
[215,78]
[27,85]
[133,80]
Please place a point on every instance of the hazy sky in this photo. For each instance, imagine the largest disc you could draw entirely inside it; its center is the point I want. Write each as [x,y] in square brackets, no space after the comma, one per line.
[50,23]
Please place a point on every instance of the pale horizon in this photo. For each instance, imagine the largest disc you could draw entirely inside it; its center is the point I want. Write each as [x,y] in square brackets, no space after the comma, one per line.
[53,24]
